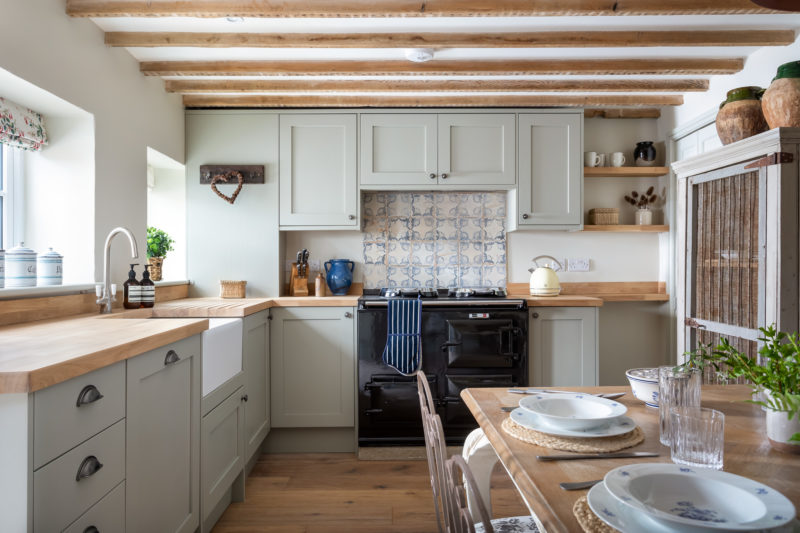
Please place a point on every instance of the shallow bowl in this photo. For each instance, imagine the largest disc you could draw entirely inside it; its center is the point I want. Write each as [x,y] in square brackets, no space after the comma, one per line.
[573,411]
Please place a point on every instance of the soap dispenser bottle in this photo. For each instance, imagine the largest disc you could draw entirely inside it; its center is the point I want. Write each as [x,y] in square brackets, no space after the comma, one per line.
[133,291]
[148,289]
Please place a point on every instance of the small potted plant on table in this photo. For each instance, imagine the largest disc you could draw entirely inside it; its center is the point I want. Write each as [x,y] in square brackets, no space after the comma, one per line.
[158,244]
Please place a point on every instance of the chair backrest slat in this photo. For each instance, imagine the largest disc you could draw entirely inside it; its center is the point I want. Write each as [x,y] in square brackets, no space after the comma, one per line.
[457,471]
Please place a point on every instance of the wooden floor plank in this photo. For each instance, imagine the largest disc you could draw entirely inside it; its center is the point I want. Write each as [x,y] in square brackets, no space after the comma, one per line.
[331,493]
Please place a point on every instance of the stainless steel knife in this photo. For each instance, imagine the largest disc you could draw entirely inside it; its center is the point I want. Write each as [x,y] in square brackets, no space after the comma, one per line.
[612,455]
[606,395]
[580,485]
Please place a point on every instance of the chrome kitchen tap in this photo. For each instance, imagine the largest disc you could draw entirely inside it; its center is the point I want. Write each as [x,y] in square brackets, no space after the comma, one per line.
[108,299]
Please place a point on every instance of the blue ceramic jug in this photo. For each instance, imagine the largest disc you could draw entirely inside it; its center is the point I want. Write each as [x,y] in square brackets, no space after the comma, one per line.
[339,275]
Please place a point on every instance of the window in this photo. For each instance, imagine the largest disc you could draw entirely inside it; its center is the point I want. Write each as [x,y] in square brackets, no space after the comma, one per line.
[10,197]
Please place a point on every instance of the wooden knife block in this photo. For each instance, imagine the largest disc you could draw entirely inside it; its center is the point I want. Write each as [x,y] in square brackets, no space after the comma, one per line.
[298,286]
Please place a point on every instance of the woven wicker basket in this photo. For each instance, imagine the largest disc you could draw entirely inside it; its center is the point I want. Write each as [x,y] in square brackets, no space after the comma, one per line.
[604,216]
[231,289]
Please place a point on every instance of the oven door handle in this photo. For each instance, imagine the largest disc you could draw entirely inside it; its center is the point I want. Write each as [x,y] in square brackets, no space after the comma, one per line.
[370,412]
[509,333]
[448,344]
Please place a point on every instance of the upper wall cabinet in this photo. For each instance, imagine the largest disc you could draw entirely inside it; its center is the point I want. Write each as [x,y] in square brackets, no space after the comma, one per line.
[318,172]
[550,194]
[432,151]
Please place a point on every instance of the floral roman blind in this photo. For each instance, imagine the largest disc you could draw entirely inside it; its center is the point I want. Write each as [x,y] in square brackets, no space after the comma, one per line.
[21,127]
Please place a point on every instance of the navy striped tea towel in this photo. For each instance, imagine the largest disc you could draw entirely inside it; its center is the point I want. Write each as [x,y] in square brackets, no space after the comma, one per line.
[403,350]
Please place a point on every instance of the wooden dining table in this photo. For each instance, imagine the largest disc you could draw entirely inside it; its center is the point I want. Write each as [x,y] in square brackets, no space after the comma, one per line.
[747,450]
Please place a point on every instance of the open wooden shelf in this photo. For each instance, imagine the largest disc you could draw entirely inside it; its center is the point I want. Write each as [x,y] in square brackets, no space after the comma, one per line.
[623,228]
[624,172]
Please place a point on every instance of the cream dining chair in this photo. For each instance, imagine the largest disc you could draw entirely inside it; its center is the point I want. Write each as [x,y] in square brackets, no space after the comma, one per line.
[453,514]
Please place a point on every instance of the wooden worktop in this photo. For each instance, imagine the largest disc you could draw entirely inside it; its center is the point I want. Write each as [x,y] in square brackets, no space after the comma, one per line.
[211,307]
[39,354]
[559,301]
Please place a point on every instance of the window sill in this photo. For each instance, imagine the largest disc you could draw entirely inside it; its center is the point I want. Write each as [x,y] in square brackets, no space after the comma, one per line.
[65,290]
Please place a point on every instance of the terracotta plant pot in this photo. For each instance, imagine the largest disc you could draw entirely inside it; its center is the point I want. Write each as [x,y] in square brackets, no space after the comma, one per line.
[781,101]
[740,115]
[156,263]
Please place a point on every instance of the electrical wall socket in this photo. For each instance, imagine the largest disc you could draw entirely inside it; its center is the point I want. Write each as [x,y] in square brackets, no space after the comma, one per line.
[578,264]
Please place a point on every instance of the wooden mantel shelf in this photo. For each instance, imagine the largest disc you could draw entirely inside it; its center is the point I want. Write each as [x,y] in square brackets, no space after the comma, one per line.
[623,228]
[624,172]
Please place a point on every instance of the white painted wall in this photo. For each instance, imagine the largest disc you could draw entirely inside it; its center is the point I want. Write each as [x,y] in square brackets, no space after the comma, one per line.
[166,210]
[66,57]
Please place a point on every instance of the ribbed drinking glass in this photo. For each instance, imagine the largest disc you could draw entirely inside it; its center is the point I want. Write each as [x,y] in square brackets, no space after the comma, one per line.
[677,387]
[698,437]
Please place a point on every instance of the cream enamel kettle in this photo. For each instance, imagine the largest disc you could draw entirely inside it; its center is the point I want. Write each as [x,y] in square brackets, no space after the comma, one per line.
[544,281]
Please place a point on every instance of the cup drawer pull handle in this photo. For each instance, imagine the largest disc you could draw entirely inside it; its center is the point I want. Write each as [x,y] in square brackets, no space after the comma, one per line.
[171,358]
[88,468]
[89,394]
[91,529]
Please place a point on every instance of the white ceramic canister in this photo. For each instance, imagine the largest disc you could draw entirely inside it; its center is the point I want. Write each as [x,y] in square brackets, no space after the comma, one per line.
[20,267]
[2,269]
[49,268]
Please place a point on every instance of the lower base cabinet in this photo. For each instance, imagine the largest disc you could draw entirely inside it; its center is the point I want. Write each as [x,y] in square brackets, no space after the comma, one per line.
[563,347]
[105,516]
[163,439]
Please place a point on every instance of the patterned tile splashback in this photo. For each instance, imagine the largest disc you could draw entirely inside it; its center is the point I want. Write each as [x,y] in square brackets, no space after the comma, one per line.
[438,239]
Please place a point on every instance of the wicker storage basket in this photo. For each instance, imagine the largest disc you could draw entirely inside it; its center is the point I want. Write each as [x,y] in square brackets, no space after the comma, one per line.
[231,289]
[604,216]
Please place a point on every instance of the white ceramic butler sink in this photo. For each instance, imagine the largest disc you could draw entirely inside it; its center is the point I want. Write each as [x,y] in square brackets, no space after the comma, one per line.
[222,352]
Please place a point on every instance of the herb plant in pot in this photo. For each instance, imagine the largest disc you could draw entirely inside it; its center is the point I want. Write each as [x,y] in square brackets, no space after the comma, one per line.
[777,377]
[158,244]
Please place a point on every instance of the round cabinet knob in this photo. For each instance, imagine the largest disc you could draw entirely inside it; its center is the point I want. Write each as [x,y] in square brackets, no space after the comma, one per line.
[245,398]
[348,315]
[525,216]
[444,176]
[351,217]
[432,176]
[535,315]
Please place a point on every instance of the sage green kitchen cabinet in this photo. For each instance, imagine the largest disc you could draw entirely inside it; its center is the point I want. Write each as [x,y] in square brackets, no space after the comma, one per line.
[312,362]
[318,171]
[255,358]
[434,151]
[550,190]
[163,439]
[563,347]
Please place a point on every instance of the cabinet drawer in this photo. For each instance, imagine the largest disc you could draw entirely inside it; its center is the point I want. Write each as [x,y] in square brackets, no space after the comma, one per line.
[59,497]
[154,361]
[67,414]
[106,516]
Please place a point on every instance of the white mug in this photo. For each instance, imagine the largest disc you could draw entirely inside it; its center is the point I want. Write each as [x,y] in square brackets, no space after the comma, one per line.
[617,159]
[591,159]
[602,160]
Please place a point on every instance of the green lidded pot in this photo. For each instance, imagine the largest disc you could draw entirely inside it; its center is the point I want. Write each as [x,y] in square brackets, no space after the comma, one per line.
[740,115]
[781,101]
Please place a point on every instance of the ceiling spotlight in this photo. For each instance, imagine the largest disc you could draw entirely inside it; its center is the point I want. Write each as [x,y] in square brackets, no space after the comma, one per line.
[419,55]
[235,20]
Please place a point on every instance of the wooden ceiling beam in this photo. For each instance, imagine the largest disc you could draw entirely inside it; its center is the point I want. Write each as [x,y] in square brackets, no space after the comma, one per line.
[587,85]
[545,39]
[483,100]
[692,66]
[404,8]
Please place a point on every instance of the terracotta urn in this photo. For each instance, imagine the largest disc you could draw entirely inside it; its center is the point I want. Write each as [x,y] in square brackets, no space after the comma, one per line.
[740,115]
[781,101]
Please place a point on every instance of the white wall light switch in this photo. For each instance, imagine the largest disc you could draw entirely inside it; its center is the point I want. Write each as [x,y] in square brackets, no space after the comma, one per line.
[578,264]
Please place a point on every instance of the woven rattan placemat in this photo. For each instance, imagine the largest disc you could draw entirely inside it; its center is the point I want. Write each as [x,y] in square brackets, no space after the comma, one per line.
[574,444]
[588,520]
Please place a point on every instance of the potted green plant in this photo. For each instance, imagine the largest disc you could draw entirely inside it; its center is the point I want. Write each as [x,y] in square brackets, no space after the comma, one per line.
[158,244]
[777,376]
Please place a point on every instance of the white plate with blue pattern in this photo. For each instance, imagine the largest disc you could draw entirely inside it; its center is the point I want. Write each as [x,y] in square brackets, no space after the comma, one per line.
[573,411]
[530,420]
[699,497]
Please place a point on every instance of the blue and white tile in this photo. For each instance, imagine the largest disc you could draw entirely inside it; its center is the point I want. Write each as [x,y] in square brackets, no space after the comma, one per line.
[494,253]
[494,229]
[470,229]
[398,253]
[470,205]
[373,204]
[494,276]
[447,228]
[399,229]
[375,228]
[494,204]
[470,253]
[470,276]
[446,276]
[422,204]
[423,253]
[374,276]
[398,204]
[398,276]
[422,276]
[446,253]
[374,253]
[423,228]
[446,204]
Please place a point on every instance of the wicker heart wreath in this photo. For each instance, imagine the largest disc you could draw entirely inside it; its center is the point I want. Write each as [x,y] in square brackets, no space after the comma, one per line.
[225,178]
